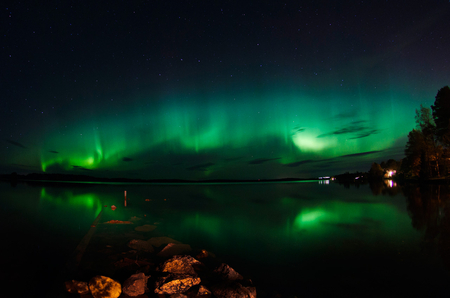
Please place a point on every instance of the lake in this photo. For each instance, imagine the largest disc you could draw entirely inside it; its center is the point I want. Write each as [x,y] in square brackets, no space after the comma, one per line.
[292,239]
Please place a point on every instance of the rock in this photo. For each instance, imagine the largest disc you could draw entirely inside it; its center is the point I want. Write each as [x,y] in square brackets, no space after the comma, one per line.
[203,291]
[178,296]
[80,287]
[158,241]
[104,287]
[145,228]
[115,221]
[202,254]
[135,285]
[232,289]
[172,249]
[140,245]
[227,273]
[180,265]
[175,284]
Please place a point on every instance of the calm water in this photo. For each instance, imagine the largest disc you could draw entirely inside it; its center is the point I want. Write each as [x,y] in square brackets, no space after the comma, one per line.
[303,239]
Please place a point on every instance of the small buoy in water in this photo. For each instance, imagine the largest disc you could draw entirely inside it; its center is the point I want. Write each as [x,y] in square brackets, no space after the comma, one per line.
[145,215]
[106,205]
[113,207]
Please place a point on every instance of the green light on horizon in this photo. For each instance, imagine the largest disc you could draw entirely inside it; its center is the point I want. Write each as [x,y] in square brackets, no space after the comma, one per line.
[283,127]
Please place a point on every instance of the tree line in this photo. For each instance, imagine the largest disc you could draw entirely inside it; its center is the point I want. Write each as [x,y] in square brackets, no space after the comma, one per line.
[427,152]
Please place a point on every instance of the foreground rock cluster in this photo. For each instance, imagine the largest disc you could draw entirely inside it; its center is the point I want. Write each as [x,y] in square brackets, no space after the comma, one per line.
[161,267]
[180,276]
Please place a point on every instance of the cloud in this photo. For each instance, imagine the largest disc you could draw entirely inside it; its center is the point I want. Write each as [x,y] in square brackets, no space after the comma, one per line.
[201,167]
[81,168]
[52,151]
[355,127]
[298,163]
[365,134]
[261,160]
[127,159]
[297,129]
[16,144]
[360,154]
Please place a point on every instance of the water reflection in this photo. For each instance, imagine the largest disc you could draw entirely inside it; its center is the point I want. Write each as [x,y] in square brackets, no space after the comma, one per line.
[67,209]
[429,209]
[89,201]
[273,229]
[297,219]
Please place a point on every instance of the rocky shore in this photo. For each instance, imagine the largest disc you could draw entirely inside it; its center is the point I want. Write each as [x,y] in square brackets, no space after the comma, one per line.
[133,259]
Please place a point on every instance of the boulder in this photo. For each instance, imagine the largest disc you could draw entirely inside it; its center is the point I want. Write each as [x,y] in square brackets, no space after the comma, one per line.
[158,241]
[175,284]
[227,273]
[140,245]
[135,285]
[178,296]
[233,289]
[115,221]
[180,265]
[202,254]
[74,286]
[172,249]
[145,228]
[202,290]
[104,287]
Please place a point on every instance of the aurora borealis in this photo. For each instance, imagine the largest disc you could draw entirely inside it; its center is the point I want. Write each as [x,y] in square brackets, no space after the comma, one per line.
[209,91]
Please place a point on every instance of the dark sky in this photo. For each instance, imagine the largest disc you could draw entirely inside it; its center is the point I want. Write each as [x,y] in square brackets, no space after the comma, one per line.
[204,90]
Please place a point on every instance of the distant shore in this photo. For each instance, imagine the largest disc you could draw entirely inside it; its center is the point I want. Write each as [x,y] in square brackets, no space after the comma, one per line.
[36,177]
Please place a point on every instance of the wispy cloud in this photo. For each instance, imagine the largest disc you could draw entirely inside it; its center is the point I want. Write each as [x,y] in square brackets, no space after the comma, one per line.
[360,154]
[299,163]
[81,168]
[16,144]
[201,167]
[261,160]
[357,128]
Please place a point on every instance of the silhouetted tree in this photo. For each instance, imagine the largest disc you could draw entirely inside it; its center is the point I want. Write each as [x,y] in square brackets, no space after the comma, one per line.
[423,152]
[441,115]
[441,112]
[376,171]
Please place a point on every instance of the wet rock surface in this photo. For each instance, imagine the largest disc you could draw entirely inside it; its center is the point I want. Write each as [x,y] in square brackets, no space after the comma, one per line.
[172,249]
[104,287]
[123,262]
[140,245]
[180,265]
[80,287]
[233,289]
[227,273]
[158,241]
[175,283]
[145,228]
[135,285]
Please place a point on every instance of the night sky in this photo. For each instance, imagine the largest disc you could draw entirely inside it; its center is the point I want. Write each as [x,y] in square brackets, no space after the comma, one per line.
[211,90]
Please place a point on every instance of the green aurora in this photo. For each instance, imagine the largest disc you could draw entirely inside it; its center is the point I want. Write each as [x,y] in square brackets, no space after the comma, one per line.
[270,135]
